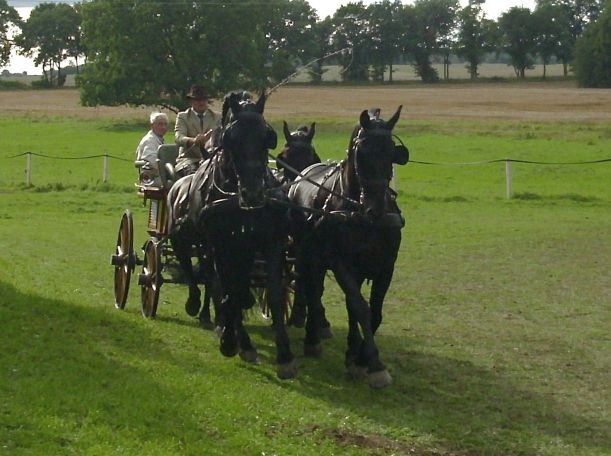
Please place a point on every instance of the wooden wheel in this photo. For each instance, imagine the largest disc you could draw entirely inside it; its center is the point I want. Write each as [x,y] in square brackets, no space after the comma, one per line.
[260,295]
[150,280]
[123,259]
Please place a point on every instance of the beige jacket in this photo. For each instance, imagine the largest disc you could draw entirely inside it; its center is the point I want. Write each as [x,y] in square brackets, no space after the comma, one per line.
[187,128]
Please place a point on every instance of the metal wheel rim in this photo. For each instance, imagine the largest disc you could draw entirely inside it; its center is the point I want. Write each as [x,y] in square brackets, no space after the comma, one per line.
[124,246]
[151,266]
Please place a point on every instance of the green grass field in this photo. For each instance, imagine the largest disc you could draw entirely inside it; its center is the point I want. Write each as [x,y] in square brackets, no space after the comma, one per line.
[496,327]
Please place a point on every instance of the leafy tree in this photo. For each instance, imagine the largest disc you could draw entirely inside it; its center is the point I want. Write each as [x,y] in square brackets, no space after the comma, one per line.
[551,29]
[8,18]
[222,44]
[350,28]
[385,31]
[432,22]
[49,35]
[571,18]
[322,47]
[476,36]
[518,32]
[292,36]
[592,63]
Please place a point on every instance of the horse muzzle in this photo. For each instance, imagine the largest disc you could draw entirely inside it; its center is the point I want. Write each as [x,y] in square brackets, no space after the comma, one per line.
[251,198]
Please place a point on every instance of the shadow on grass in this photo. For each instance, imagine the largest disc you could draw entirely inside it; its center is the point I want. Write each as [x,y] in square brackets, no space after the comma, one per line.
[69,371]
[528,196]
[471,410]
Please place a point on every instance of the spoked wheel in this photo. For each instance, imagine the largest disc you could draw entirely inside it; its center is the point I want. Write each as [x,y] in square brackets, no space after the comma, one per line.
[261,299]
[150,280]
[124,259]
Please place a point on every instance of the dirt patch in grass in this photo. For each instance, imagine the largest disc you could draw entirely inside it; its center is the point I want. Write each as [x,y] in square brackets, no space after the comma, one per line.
[531,101]
[379,444]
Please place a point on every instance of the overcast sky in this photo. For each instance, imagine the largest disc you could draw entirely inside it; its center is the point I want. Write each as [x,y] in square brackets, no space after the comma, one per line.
[325,8]
[493,8]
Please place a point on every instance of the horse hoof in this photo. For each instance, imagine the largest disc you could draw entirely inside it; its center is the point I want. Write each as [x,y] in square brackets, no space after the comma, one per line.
[228,348]
[250,356]
[206,324]
[326,333]
[192,307]
[287,371]
[379,379]
[297,318]
[218,330]
[356,372]
[312,351]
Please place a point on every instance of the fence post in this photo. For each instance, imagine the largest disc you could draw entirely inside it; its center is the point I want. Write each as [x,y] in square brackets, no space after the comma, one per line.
[105,172]
[508,178]
[28,169]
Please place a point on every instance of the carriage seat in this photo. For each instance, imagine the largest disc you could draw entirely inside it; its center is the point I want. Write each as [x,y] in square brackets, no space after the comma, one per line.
[166,161]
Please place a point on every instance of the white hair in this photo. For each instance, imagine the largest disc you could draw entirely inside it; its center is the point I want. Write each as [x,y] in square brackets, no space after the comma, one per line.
[158,115]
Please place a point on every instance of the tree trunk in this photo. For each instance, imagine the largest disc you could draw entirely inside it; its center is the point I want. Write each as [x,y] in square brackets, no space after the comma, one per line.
[544,69]
[390,72]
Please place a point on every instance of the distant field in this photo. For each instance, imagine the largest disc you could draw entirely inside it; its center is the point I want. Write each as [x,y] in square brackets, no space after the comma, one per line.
[496,325]
[331,73]
[480,102]
[457,71]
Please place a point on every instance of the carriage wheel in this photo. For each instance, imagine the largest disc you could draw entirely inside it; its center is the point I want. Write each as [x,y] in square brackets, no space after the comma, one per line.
[150,280]
[266,312]
[124,259]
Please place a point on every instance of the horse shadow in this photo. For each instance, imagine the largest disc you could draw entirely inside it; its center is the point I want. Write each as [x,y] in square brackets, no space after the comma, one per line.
[470,409]
[68,364]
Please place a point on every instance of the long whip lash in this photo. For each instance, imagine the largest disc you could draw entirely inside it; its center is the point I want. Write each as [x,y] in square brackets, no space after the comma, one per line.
[303,67]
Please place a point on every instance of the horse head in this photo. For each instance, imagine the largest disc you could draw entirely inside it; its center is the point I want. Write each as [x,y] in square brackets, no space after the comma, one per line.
[298,152]
[372,153]
[246,140]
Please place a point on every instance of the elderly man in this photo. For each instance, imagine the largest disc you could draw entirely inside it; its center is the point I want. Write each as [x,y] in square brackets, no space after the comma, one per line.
[146,153]
[193,129]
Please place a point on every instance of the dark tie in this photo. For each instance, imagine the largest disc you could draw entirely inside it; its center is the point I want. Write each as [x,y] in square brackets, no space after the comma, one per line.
[201,121]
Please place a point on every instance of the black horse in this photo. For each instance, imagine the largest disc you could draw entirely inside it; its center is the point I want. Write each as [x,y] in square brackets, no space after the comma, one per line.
[229,207]
[298,152]
[354,229]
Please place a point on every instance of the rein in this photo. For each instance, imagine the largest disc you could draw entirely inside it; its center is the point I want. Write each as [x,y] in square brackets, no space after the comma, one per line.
[314,183]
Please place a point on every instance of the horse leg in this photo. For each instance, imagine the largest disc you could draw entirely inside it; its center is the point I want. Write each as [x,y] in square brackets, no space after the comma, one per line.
[229,308]
[276,296]
[206,269]
[355,361]
[358,307]
[182,250]
[315,277]
[303,285]
[379,287]
[248,352]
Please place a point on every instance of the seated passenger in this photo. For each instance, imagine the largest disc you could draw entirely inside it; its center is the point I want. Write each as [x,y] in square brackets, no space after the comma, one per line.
[146,153]
[193,130]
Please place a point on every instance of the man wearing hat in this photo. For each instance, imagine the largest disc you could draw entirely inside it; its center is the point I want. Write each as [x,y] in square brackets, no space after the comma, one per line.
[193,129]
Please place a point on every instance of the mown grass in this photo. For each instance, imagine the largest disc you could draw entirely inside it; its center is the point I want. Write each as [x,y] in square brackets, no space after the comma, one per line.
[495,328]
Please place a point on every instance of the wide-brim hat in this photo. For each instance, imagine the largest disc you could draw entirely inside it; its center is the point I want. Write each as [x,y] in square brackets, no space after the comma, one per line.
[198,92]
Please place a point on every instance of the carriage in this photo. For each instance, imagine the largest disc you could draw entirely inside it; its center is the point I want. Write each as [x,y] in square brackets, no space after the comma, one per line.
[158,264]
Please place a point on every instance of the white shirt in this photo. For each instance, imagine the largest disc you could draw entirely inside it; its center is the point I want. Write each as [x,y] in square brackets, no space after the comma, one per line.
[147,149]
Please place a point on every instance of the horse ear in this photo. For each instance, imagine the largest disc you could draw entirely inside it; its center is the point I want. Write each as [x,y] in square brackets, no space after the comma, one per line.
[287,133]
[311,132]
[365,120]
[271,138]
[234,104]
[393,120]
[260,106]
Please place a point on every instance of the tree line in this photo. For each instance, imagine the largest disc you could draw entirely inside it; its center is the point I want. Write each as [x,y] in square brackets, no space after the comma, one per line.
[150,51]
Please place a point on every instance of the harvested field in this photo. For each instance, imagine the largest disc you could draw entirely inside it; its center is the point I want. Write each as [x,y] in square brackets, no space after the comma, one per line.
[531,101]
